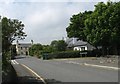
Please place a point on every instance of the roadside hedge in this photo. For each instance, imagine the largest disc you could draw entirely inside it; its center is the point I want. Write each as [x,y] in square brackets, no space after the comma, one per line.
[65,54]
[71,54]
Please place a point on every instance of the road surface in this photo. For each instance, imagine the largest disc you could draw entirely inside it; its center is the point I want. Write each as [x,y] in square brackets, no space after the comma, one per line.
[62,70]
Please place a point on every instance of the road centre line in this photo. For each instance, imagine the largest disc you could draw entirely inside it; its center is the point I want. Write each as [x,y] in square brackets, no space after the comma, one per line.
[34,73]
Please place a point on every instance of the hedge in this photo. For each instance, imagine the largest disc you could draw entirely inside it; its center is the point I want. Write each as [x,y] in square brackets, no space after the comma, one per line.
[65,54]
[71,54]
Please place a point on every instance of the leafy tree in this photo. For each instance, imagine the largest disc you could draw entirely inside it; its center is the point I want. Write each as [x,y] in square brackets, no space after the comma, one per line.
[11,30]
[103,26]
[114,24]
[47,48]
[100,27]
[59,45]
[35,50]
[95,31]
[53,45]
[77,26]
[0,36]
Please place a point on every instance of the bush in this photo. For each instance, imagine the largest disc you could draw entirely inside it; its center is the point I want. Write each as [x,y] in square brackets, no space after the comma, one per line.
[72,54]
[94,53]
[64,54]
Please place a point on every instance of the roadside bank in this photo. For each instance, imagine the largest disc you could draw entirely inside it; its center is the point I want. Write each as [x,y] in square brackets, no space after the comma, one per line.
[9,76]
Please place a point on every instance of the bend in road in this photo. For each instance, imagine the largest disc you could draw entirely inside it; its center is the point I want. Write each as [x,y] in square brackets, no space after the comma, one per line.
[62,71]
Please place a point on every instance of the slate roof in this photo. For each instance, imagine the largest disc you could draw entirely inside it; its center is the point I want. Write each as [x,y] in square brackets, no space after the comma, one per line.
[70,40]
[24,44]
[79,43]
[75,43]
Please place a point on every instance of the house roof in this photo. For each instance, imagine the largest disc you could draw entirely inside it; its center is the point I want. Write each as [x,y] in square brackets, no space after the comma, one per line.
[75,42]
[70,40]
[79,43]
[24,44]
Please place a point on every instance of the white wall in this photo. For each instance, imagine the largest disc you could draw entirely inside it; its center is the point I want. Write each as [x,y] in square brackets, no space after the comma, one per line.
[78,48]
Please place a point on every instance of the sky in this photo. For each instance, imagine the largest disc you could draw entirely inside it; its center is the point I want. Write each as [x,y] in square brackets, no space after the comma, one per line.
[45,20]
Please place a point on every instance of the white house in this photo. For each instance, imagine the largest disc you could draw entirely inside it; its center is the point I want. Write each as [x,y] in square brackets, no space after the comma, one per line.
[79,45]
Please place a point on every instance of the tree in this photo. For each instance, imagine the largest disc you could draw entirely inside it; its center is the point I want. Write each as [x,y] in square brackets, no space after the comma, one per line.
[100,27]
[35,50]
[77,26]
[115,26]
[95,30]
[47,48]
[11,30]
[0,36]
[103,26]
[53,45]
[59,45]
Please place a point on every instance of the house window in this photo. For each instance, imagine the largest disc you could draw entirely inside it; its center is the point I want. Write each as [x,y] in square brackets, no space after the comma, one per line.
[82,48]
[75,49]
[25,48]
[21,48]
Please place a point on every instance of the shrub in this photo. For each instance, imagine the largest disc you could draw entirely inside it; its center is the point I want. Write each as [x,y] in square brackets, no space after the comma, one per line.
[64,54]
[71,54]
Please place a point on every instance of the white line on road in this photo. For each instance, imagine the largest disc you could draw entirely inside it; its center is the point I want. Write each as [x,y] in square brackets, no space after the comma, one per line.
[101,66]
[14,62]
[72,62]
[34,73]
[108,67]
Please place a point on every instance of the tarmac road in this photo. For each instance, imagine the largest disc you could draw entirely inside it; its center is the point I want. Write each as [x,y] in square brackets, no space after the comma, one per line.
[62,70]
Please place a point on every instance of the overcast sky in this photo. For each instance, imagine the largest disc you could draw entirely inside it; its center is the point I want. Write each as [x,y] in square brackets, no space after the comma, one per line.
[45,20]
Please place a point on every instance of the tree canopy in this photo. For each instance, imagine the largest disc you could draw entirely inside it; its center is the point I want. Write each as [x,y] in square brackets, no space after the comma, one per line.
[11,29]
[0,36]
[100,27]
[35,50]
[76,27]
[59,45]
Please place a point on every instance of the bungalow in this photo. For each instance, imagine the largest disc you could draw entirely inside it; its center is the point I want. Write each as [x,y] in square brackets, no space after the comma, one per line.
[79,45]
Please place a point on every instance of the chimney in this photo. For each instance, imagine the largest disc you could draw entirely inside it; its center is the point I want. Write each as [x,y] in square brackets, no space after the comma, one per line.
[17,42]
[32,42]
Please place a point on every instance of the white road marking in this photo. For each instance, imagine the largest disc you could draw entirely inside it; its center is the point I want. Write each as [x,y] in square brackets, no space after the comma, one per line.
[72,62]
[14,62]
[34,73]
[108,67]
[93,65]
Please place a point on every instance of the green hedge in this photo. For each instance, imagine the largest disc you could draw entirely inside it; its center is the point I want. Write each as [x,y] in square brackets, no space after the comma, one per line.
[71,54]
[65,54]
